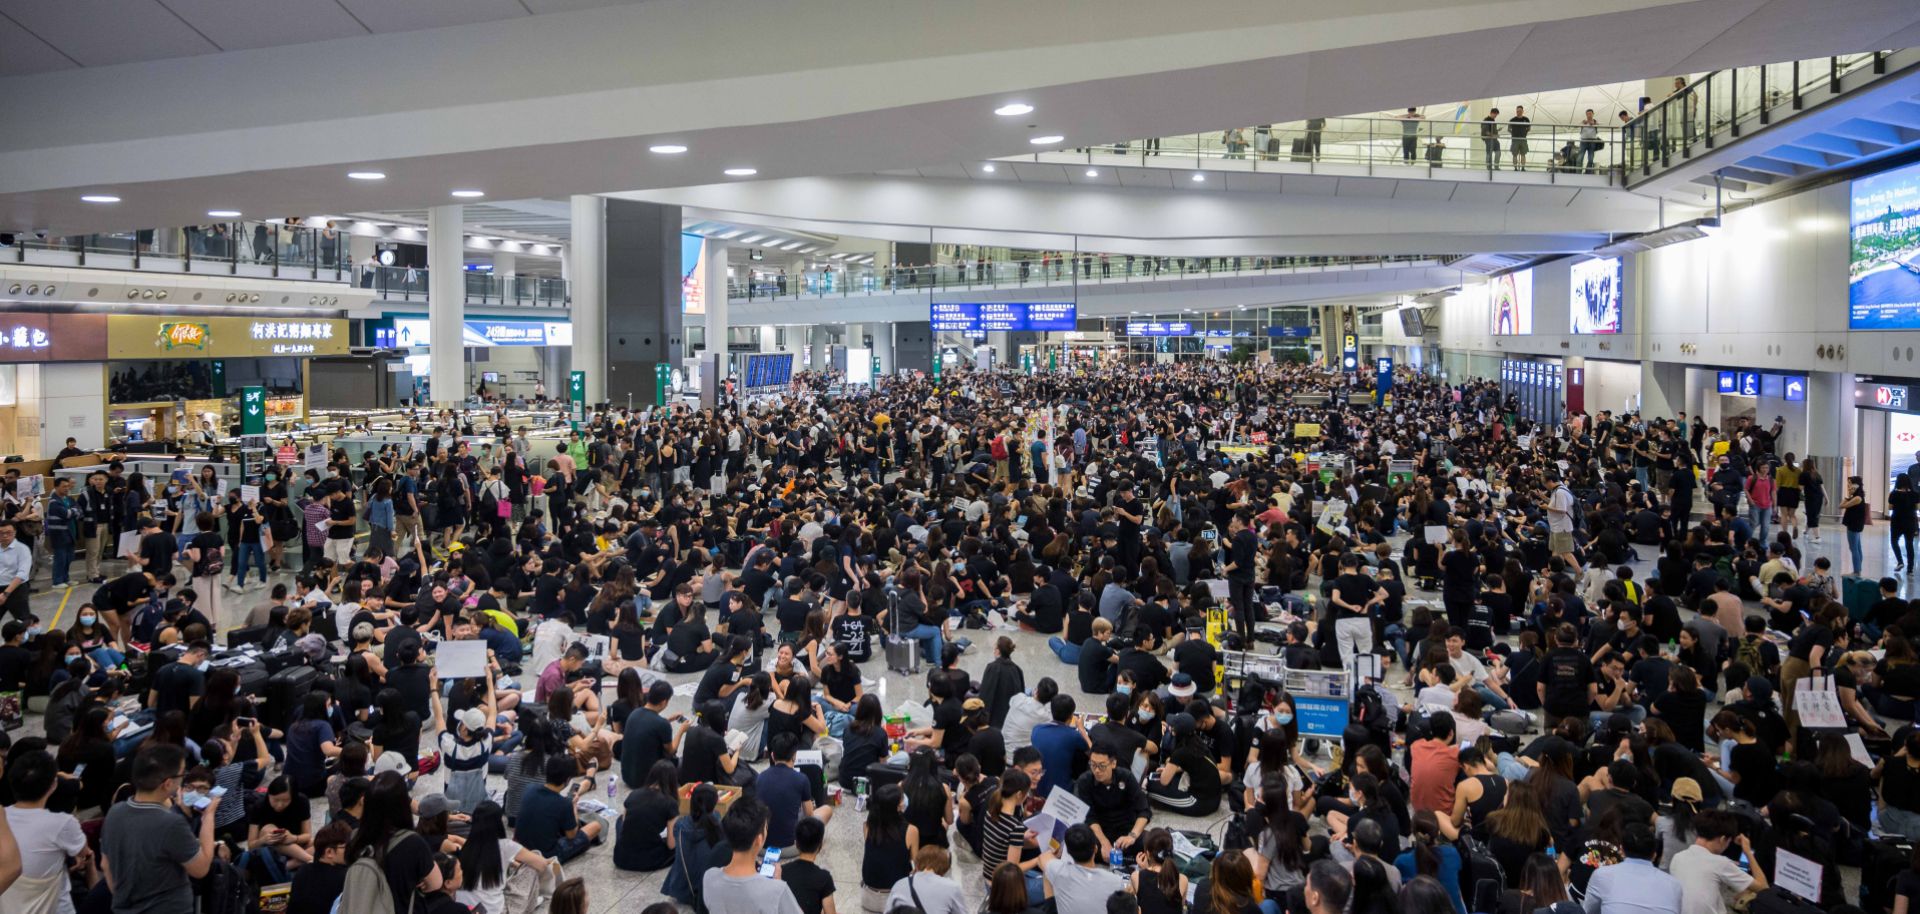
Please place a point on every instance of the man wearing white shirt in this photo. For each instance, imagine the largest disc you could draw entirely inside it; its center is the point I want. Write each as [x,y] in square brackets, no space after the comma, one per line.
[46,839]
[16,568]
[1708,880]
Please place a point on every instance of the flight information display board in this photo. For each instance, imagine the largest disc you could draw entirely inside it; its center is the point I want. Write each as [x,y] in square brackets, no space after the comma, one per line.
[771,369]
[981,317]
[1158,328]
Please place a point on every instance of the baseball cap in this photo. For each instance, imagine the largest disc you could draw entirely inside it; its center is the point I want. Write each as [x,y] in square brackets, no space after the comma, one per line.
[1686,789]
[433,804]
[1181,723]
[473,719]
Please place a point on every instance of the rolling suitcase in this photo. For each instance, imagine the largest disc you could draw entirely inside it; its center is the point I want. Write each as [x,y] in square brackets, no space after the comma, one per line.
[1300,150]
[903,655]
[286,692]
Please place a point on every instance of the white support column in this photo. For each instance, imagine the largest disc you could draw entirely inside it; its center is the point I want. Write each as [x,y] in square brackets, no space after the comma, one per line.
[446,303]
[883,345]
[715,282]
[586,266]
[503,270]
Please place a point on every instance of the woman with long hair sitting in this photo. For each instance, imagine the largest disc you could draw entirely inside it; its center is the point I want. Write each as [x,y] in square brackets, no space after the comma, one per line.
[1431,856]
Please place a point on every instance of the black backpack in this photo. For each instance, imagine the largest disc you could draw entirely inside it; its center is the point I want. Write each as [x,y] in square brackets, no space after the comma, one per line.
[229,891]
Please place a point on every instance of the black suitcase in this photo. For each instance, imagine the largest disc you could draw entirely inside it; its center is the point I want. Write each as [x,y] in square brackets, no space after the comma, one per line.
[1300,150]
[253,677]
[252,635]
[1885,860]
[1779,901]
[286,692]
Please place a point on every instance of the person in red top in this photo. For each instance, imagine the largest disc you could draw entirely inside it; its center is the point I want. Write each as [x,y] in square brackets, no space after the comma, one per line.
[1436,766]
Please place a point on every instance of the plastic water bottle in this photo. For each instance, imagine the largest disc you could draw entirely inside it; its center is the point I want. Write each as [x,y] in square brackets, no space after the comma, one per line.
[613,784]
[1117,858]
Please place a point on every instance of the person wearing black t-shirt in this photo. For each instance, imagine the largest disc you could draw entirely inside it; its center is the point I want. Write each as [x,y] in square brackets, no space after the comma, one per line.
[281,825]
[1567,686]
[839,681]
[704,756]
[724,678]
[1095,665]
[853,631]
[179,685]
[1138,660]
[1045,610]
[1189,780]
[1354,597]
[812,885]
[1195,657]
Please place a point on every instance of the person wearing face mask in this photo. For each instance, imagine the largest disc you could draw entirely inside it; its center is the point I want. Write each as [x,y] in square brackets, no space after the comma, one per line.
[90,636]
[179,685]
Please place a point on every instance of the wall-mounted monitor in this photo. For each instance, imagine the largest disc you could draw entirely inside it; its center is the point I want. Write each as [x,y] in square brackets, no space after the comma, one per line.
[1883,268]
[1512,295]
[1597,299]
[981,317]
[1413,322]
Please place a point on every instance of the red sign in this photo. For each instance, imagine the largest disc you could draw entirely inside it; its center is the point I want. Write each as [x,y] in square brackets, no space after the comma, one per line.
[1259,437]
[287,454]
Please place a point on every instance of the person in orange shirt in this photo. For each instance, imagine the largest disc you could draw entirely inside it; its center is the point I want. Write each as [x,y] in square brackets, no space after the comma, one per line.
[1436,766]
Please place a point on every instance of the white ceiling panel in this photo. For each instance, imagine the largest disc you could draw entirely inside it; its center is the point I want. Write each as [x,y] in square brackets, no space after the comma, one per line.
[1038,171]
[406,15]
[1481,192]
[1366,187]
[100,32]
[943,171]
[1145,177]
[1248,183]
[237,24]
[1424,190]
[1552,195]
[1311,184]
[22,52]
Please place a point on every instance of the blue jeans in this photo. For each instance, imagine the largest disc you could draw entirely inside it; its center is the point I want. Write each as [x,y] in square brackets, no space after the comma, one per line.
[1636,713]
[270,861]
[1897,821]
[1493,700]
[62,557]
[107,658]
[1512,770]
[240,564]
[1067,651]
[929,635]
[1036,888]
[1760,519]
[1853,550]
[837,720]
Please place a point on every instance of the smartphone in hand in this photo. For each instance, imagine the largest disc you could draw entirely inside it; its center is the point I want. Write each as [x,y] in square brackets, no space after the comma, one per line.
[769,862]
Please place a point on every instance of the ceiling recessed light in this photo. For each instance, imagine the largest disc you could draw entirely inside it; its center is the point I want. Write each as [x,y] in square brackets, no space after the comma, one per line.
[224,213]
[367,175]
[1047,140]
[1198,177]
[667,149]
[469,193]
[99,198]
[1014,109]
[989,168]
[1093,172]
[742,172]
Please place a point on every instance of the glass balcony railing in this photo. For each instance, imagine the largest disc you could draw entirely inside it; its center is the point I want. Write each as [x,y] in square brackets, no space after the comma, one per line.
[1718,106]
[1050,270]
[410,284]
[278,249]
[1555,150]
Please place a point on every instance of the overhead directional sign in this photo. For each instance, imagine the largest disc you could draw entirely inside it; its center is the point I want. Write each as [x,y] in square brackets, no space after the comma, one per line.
[1796,390]
[253,410]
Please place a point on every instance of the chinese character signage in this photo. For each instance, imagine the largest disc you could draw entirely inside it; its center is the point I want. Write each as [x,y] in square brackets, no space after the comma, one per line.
[135,337]
[980,317]
[29,337]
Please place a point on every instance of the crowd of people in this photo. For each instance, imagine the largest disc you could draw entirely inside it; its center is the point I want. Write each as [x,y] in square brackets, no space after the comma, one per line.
[695,613]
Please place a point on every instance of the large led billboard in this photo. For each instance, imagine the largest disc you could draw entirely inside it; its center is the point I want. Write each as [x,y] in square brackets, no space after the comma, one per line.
[693,274]
[1595,302]
[1512,297]
[1883,271]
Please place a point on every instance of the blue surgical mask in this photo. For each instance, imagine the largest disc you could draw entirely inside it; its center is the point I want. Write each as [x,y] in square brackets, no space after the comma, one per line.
[193,799]
[1123,689]
[1282,718]
[1146,714]
[87,619]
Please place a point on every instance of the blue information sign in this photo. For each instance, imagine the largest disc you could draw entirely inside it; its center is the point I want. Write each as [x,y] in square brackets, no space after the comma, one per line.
[980,317]
[1292,332]
[1156,328]
[1319,716]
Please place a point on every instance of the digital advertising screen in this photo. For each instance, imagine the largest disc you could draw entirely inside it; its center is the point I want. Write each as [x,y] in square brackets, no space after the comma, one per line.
[1596,299]
[693,274]
[981,317]
[1512,298]
[1883,269]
